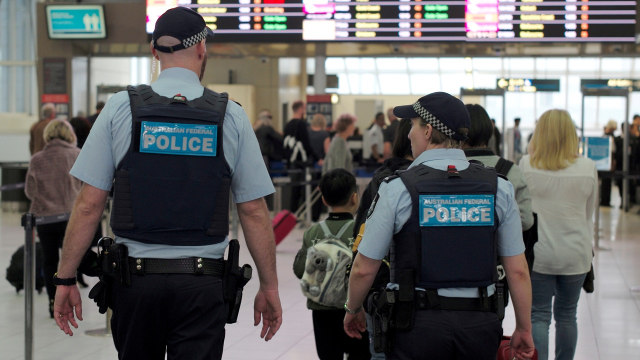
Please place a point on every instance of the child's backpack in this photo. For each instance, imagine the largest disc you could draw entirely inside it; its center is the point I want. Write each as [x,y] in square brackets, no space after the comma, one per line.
[325,275]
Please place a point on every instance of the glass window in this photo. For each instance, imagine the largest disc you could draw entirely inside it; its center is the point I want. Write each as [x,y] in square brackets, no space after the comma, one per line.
[334,65]
[391,64]
[451,83]
[452,65]
[583,65]
[369,84]
[423,64]
[394,83]
[422,84]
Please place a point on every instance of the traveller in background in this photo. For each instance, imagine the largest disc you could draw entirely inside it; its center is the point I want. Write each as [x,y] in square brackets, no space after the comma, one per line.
[171,300]
[92,118]
[319,137]
[373,142]
[564,194]
[52,191]
[270,139]
[297,152]
[36,141]
[605,182]
[390,133]
[339,193]
[339,156]
[82,127]
[475,148]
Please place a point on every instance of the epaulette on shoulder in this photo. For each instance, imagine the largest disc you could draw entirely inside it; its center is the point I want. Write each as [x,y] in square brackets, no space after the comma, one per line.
[390,177]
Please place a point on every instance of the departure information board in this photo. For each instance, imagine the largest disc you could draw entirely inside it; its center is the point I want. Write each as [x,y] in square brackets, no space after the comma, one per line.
[407,20]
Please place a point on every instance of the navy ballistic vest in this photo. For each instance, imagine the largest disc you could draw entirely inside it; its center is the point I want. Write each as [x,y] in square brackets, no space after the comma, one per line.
[450,239]
[172,186]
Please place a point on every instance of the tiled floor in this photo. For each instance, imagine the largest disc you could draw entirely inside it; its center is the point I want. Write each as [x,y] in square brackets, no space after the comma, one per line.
[609,319]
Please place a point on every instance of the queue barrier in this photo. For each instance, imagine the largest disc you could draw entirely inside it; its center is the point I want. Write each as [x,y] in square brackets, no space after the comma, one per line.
[29,222]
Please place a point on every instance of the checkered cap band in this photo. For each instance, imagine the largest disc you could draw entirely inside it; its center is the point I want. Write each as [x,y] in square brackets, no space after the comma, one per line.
[190,41]
[431,119]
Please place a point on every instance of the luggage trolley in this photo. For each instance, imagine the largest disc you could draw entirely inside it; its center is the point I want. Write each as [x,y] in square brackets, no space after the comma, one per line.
[484,93]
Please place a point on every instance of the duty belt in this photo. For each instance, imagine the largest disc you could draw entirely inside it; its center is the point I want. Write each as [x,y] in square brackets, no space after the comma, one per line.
[193,265]
[430,300]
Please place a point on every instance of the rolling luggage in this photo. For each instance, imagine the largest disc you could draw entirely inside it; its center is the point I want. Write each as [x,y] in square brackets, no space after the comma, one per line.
[282,224]
[15,271]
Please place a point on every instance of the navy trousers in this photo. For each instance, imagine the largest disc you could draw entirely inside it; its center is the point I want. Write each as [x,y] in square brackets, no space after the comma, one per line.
[449,335]
[180,314]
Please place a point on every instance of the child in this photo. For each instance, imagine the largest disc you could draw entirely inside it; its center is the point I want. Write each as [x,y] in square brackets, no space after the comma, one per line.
[338,189]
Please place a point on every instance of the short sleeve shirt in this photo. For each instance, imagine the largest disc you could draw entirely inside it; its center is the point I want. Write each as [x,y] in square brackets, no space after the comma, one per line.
[393,208]
[110,138]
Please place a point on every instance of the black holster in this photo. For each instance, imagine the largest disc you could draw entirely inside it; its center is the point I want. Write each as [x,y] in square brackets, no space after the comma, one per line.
[234,280]
[380,304]
[113,266]
[404,310]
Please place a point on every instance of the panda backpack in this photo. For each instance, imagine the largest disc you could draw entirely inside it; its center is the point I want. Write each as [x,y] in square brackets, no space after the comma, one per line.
[325,274]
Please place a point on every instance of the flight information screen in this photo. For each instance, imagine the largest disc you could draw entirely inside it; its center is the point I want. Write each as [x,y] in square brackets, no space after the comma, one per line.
[405,20]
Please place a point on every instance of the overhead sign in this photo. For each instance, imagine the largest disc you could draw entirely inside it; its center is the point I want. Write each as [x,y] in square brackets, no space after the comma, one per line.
[529,85]
[634,84]
[76,22]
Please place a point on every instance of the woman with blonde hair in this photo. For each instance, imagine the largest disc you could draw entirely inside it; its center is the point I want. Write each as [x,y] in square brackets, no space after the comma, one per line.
[564,194]
[52,191]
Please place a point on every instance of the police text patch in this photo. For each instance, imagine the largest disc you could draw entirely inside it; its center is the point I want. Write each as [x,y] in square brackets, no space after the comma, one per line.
[178,139]
[456,210]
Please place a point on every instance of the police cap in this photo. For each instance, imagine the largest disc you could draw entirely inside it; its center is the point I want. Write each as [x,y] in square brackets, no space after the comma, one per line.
[183,24]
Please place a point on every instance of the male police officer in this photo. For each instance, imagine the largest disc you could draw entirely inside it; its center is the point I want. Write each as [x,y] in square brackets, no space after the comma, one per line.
[174,152]
[444,219]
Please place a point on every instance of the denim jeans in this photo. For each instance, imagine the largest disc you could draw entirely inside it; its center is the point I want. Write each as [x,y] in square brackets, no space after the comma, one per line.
[566,289]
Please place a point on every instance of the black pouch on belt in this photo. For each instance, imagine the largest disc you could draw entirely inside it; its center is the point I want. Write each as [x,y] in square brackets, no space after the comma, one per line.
[113,264]
[234,280]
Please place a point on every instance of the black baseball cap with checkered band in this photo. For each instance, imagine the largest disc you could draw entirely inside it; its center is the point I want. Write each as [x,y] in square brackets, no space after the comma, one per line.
[183,24]
[444,112]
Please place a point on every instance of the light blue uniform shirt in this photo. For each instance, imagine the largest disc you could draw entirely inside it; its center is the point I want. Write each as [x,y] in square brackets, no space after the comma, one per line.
[110,138]
[393,209]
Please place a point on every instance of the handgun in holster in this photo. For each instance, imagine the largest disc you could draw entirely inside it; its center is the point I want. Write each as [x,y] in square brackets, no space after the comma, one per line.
[234,280]
[114,266]
[380,307]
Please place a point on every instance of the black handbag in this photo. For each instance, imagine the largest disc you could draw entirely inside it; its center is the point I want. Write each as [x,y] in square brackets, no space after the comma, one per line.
[587,285]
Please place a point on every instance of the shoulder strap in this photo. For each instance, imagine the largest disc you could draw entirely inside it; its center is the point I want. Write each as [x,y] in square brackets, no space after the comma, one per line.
[327,232]
[503,166]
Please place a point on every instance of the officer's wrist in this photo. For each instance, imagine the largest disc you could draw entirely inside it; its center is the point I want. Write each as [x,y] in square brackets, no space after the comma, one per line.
[63,281]
[350,311]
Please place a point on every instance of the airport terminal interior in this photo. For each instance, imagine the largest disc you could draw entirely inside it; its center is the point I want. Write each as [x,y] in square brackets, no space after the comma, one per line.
[577,55]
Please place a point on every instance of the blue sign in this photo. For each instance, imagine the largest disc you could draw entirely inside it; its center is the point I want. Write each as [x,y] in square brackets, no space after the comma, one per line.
[76,22]
[456,210]
[599,149]
[178,139]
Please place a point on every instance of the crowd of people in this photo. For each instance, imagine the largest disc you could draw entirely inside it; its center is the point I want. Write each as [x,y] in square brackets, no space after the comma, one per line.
[442,217]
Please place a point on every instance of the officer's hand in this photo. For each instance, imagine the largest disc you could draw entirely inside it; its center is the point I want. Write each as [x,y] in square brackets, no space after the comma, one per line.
[522,344]
[267,305]
[355,324]
[67,304]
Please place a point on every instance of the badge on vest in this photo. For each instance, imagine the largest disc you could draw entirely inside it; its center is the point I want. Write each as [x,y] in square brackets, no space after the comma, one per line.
[178,139]
[456,210]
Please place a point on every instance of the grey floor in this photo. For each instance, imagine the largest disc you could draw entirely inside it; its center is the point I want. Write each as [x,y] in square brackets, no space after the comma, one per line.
[608,320]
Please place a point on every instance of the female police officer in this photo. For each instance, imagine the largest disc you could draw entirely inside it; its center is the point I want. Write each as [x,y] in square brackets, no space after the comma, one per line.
[444,220]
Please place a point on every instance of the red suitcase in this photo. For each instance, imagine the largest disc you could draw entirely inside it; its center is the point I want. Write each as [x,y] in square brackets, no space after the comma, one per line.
[283,223]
